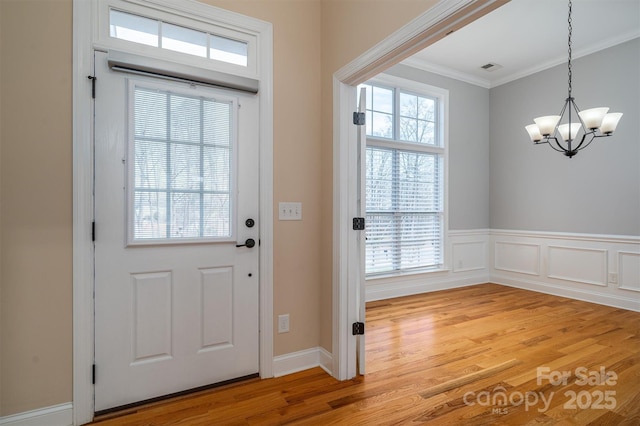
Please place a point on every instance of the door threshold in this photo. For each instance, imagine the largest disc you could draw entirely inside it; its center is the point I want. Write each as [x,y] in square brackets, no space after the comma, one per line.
[122,410]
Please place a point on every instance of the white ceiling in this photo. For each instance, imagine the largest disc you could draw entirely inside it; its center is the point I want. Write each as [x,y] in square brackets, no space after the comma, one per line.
[527,36]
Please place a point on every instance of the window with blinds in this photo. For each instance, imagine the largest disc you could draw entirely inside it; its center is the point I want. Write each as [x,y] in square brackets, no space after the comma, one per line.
[181,176]
[404,180]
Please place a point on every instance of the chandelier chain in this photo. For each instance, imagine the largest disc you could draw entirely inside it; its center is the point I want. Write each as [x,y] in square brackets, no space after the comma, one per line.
[569,63]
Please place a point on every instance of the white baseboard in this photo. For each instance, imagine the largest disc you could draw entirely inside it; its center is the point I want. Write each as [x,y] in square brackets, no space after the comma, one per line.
[302,360]
[57,415]
[411,286]
[326,361]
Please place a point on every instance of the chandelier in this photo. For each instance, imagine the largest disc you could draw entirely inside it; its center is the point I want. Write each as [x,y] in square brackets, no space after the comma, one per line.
[571,137]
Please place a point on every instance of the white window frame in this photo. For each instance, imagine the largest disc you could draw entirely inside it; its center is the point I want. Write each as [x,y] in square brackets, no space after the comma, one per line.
[399,84]
[85,43]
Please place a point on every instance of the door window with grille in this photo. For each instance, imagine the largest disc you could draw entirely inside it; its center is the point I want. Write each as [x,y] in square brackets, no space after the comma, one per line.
[405,160]
[181,176]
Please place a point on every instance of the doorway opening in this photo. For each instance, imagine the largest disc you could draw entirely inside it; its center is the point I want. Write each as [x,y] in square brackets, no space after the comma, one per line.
[348,278]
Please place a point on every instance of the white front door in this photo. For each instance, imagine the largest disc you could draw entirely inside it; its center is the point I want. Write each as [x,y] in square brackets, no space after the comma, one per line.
[176,192]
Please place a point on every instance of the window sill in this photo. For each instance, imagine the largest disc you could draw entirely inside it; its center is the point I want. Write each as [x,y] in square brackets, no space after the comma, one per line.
[405,274]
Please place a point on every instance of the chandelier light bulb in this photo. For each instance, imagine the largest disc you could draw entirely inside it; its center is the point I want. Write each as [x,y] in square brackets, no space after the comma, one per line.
[547,124]
[534,132]
[592,118]
[610,122]
[564,131]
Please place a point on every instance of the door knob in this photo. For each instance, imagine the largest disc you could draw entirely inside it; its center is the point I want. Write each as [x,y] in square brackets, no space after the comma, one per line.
[250,242]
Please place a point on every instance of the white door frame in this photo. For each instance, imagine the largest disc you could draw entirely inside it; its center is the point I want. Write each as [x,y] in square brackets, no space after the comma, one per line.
[84,35]
[434,24]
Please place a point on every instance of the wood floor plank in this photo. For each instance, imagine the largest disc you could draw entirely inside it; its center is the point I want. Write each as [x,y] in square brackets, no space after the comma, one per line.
[445,358]
[469,378]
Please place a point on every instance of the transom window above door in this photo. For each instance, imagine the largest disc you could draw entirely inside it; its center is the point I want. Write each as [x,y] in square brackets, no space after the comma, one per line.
[163,35]
[192,38]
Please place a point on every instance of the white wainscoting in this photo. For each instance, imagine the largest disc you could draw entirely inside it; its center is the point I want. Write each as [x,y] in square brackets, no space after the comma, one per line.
[601,269]
[629,270]
[514,256]
[466,263]
[469,255]
[592,263]
[57,415]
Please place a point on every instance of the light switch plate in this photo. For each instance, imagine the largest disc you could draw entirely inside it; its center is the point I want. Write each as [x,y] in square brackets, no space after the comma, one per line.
[283,323]
[290,211]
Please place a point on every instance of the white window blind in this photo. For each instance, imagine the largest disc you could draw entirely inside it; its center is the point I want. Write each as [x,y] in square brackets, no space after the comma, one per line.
[404,181]
[182,168]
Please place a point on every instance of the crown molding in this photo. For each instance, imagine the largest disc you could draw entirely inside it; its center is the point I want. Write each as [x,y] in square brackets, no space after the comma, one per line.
[423,64]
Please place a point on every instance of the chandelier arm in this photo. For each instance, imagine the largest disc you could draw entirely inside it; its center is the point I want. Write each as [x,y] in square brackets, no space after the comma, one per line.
[584,137]
[556,149]
[562,149]
[575,106]
[548,142]
[564,108]
[573,101]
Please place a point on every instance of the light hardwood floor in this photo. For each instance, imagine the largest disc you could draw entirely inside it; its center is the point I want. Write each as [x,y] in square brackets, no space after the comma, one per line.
[445,358]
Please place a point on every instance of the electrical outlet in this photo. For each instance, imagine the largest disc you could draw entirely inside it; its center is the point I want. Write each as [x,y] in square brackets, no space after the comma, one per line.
[613,278]
[290,211]
[283,323]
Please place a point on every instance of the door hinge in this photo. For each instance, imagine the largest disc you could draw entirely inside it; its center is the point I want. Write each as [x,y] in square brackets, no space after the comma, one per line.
[358,223]
[357,328]
[93,85]
[93,374]
[93,231]
[359,118]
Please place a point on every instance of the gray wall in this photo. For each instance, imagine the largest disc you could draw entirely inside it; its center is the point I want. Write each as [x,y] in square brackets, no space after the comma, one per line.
[537,189]
[468,147]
